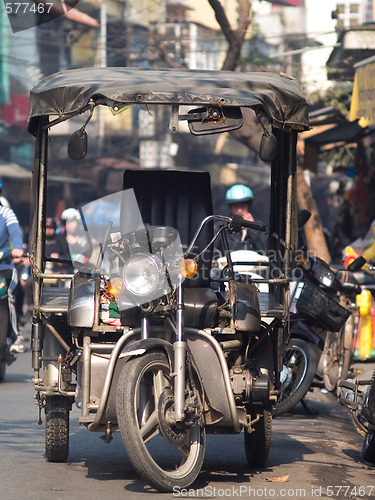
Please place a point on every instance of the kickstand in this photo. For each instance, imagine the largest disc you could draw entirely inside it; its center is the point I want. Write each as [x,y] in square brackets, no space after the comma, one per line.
[307,409]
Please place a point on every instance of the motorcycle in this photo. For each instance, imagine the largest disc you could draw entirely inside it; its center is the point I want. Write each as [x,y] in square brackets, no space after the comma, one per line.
[142,341]
[358,396]
[6,340]
[364,339]
[319,331]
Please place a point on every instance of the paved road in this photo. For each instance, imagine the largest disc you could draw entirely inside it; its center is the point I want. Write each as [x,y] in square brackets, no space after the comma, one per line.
[313,456]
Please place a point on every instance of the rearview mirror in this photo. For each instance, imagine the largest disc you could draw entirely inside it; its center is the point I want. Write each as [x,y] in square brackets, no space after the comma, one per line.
[213,120]
[302,218]
[268,147]
[77,146]
[357,264]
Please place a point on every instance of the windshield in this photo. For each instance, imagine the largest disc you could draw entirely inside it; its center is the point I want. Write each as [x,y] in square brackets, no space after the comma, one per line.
[109,234]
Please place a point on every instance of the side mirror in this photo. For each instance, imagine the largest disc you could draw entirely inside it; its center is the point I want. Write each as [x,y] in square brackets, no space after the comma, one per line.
[213,120]
[268,147]
[357,264]
[77,146]
[302,218]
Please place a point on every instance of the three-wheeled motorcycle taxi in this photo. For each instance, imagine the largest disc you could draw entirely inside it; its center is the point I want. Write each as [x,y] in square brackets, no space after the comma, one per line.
[149,340]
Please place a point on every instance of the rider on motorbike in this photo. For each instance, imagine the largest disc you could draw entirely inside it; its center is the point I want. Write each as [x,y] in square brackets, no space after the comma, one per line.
[240,199]
[10,231]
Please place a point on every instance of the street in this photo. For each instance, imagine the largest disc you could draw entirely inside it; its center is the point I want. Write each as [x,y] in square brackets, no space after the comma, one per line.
[316,455]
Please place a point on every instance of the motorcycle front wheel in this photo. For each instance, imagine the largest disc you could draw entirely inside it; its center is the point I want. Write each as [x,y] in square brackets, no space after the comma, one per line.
[299,369]
[165,455]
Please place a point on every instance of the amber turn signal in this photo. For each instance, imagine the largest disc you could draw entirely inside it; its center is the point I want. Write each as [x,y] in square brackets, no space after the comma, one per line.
[188,268]
[116,286]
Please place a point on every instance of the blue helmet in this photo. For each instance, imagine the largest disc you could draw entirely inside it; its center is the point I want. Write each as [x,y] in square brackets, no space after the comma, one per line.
[239,193]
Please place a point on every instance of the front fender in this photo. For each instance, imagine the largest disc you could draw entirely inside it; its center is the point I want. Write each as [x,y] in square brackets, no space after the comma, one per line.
[133,349]
[301,330]
[139,347]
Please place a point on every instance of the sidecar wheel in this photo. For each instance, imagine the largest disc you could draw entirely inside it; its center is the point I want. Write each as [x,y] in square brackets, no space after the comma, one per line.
[258,442]
[57,428]
[166,456]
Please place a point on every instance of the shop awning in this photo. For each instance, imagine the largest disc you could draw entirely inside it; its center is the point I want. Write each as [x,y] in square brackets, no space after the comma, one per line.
[344,132]
[362,106]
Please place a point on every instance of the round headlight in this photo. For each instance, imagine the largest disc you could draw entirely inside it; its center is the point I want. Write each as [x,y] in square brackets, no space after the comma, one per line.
[141,274]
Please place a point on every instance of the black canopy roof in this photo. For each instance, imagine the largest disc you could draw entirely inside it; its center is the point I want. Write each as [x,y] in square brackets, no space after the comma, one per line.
[277,97]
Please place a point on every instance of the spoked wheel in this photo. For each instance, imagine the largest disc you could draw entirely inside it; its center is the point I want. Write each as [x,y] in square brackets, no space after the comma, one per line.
[164,454]
[258,442]
[299,369]
[57,428]
[336,360]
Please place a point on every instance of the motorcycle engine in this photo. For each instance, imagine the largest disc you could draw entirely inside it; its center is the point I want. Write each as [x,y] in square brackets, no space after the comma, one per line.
[249,386]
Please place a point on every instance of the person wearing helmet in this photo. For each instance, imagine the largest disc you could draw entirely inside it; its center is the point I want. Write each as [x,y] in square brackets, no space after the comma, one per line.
[240,199]
[56,247]
[75,234]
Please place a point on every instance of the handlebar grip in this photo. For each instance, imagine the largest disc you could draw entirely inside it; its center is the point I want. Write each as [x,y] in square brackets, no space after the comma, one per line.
[237,222]
[259,226]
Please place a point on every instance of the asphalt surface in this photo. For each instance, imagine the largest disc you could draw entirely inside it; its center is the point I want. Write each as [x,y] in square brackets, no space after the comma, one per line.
[313,455]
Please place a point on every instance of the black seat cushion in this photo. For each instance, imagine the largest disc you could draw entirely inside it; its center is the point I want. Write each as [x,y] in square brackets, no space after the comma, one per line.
[179,199]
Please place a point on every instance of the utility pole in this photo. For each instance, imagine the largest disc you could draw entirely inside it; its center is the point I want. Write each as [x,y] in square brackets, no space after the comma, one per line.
[102,63]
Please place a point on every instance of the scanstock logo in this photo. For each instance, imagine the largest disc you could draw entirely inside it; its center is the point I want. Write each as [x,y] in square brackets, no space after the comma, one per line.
[25,14]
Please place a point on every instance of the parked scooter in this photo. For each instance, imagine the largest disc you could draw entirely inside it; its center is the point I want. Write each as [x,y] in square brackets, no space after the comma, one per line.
[315,337]
[316,318]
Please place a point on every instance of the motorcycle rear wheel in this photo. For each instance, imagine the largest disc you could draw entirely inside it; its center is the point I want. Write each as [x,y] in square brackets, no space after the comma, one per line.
[4,325]
[258,442]
[57,428]
[368,448]
[300,363]
[164,463]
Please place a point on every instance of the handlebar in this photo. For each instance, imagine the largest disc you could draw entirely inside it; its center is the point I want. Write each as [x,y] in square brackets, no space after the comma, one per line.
[348,287]
[259,226]
[7,256]
[234,224]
